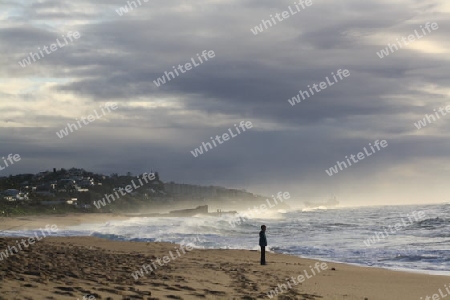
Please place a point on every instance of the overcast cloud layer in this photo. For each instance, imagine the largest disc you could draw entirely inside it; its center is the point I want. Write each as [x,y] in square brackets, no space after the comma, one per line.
[250,78]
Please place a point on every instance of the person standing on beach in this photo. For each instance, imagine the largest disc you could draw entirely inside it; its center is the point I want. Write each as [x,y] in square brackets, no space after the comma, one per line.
[263,244]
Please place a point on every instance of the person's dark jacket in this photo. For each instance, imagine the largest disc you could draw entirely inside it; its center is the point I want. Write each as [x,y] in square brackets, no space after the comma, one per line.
[262,239]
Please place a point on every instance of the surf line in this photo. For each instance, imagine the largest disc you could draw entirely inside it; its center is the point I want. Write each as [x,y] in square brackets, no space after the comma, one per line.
[257,210]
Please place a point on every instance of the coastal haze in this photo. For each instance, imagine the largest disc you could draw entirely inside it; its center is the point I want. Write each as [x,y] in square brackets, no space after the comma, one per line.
[118,56]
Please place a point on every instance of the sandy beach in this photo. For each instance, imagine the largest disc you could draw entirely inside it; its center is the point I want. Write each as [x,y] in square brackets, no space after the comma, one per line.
[77,267]
[62,221]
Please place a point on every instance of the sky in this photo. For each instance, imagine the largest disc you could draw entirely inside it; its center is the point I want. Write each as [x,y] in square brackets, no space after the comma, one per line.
[118,55]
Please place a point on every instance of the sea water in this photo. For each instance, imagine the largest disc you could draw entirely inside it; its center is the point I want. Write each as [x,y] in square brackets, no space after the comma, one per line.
[336,235]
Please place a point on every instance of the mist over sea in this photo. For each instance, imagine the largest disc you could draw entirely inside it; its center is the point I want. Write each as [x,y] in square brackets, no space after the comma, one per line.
[338,234]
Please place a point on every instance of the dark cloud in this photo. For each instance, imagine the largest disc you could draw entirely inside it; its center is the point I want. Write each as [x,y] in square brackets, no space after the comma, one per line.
[251,77]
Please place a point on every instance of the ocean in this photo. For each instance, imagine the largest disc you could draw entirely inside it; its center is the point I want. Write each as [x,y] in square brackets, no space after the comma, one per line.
[412,238]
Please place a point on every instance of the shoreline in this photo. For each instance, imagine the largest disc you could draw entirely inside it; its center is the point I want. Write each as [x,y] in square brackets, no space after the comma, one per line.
[392,269]
[67,220]
[68,267]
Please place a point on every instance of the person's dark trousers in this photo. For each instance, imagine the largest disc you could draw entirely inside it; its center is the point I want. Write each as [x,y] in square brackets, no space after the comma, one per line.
[263,255]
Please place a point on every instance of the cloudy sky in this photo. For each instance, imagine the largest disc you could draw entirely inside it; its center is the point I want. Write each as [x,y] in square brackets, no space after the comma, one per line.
[117,58]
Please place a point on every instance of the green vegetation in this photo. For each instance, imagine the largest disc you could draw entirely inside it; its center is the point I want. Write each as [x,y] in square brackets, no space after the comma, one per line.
[48,193]
[9,209]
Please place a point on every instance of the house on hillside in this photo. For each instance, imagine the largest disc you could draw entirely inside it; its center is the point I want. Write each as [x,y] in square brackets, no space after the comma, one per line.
[14,195]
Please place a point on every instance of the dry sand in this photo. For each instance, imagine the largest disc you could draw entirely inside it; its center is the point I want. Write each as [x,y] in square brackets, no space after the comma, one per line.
[62,221]
[73,267]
